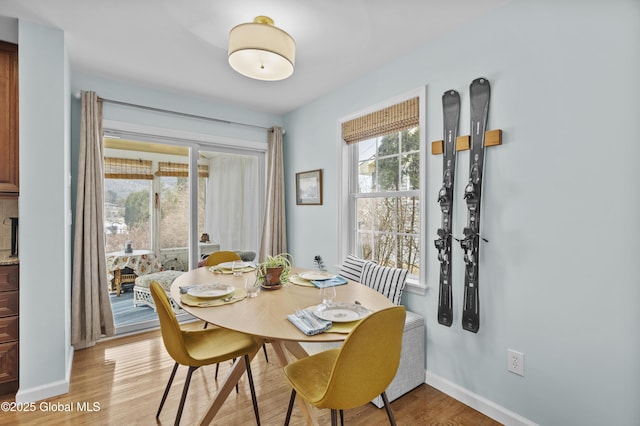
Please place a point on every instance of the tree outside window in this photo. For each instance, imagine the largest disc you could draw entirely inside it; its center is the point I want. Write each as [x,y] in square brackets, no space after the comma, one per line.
[127,215]
[387,201]
[174,211]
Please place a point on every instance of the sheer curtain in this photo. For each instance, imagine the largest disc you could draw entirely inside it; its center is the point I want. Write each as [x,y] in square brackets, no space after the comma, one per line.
[91,315]
[232,202]
[274,230]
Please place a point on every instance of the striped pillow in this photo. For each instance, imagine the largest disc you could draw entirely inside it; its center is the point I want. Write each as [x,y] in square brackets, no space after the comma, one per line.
[351,268]
[385,280]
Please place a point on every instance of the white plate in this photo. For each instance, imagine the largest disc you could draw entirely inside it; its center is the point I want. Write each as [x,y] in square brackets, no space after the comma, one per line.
[341,312]
[211,291]
[316,275]
[229,265]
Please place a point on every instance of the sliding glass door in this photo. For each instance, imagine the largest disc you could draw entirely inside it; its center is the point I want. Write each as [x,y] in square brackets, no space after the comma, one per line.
[170,204]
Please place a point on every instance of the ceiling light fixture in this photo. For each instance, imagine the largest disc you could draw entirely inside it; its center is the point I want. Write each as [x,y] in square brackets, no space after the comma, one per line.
[261,50]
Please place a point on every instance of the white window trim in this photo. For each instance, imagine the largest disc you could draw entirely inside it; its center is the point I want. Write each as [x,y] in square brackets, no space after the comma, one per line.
[345,183]
[185,136]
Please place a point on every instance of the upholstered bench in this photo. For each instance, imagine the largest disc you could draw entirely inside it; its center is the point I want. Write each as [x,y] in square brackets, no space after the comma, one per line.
[142,294]
[391,283]
[411,371]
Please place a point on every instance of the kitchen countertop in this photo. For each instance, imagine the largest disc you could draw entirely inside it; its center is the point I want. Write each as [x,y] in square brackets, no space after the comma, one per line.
[5,258]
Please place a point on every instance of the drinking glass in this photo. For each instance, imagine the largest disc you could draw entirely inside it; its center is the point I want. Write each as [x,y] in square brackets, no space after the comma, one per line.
[251,286]
[327,295]
[236,268]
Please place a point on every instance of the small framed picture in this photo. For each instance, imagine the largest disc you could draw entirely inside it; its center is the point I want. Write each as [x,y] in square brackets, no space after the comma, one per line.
[309,187]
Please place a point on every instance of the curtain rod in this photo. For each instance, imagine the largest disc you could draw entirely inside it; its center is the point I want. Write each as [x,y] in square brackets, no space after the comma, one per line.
[182,114]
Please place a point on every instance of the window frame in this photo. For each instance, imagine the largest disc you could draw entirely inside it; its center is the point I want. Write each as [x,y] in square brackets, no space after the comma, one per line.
[348,182]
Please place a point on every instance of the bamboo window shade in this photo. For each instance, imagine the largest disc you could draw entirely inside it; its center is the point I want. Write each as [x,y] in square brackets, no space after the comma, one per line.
[127,168]
[395,118]
[180,169]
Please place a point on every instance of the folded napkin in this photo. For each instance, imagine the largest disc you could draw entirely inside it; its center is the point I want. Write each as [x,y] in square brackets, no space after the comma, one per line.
[337,280]
[308,323]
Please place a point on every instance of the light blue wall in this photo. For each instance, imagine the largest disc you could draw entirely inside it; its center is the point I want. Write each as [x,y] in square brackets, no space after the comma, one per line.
[559,278]
[44,208]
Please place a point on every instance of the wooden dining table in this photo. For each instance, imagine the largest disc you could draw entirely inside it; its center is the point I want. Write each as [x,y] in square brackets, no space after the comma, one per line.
[265,316]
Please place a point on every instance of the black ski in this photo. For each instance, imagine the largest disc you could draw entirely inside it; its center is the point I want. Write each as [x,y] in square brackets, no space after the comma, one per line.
[480,92]
[451,118]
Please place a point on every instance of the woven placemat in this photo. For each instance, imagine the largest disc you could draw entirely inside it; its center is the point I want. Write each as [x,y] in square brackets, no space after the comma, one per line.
[342,327]
[199,302]
[218,270]
[297,280]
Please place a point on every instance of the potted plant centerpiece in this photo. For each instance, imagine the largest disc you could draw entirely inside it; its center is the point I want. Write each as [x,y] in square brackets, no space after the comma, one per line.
[274,270]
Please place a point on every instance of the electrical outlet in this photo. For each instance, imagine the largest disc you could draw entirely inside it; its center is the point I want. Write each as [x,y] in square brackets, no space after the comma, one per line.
[515,362]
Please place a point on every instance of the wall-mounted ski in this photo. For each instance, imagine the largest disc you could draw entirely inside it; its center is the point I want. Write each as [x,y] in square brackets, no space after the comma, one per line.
[480,92]
[451,118]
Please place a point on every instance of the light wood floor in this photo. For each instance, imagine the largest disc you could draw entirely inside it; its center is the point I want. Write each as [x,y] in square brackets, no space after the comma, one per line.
[122,381]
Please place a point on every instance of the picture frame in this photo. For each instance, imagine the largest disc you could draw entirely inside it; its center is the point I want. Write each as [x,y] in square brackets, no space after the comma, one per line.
[309,188]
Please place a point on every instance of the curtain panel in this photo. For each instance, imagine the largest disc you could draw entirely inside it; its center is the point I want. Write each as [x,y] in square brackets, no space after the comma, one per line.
[232,200]
[91,315]
[274,229]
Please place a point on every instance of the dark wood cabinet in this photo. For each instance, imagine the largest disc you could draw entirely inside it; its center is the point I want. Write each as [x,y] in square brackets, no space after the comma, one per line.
[9,117]
[9,328]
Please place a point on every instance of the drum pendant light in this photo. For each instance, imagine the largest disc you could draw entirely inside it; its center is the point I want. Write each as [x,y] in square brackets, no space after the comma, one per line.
[261,50]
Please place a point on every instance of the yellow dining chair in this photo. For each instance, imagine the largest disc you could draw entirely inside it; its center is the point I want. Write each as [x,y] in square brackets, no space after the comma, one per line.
[196,348]
[357,372]
[219,257]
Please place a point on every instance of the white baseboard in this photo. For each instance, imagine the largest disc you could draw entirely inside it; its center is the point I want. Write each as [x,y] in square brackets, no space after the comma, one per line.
[48,390]
[483,405]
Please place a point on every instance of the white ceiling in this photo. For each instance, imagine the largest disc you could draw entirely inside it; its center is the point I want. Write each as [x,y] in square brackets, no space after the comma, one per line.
[181,46]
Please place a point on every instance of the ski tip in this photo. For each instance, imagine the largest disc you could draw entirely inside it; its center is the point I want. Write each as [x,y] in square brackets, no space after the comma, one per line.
[451,97]
[480,81]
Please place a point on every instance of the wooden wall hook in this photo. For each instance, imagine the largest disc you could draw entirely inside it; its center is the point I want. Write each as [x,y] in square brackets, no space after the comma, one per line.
[491,138]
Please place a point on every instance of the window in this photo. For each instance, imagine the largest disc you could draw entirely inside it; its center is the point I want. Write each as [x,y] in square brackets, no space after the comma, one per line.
[383,162]
[387,200]
[174,202]
[154,199]
[127,195]
[147,199]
